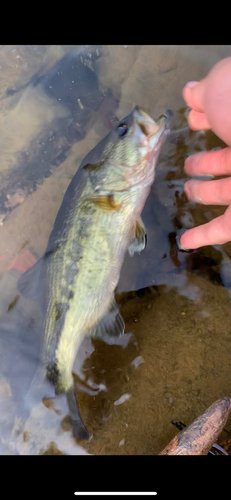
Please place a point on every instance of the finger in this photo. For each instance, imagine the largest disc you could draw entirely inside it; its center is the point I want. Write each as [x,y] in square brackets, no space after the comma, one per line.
[198,121]
[209,163]
[216,232]
[217,99]
[193,94]
[209,192]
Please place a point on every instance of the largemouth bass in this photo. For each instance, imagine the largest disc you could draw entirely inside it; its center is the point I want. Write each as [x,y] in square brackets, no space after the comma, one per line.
[98,222]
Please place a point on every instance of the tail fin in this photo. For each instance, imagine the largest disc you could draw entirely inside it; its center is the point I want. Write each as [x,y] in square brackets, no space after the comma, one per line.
[78,428]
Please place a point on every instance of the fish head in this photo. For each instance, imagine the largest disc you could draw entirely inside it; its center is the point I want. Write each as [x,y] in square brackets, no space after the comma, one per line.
[135,146]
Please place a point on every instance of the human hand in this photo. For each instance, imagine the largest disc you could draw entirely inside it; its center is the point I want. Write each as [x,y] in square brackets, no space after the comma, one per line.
[210,100]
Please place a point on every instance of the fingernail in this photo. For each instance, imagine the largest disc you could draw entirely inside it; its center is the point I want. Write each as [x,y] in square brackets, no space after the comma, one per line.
[180,247]
[178,237]
[191,85]
[179,243]
[191,189]
[207,177]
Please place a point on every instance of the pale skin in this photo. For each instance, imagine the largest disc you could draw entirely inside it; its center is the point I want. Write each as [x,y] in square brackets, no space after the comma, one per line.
[210,103]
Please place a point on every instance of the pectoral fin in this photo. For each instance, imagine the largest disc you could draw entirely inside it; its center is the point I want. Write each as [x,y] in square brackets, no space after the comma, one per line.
[140,238]
[111,324]
[105,201]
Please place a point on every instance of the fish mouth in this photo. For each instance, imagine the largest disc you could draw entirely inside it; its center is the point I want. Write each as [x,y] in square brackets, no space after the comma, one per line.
[148,127]
[167,117]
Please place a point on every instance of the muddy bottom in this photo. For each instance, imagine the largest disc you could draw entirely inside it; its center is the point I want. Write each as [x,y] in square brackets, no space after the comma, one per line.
[174,360]
[175,365]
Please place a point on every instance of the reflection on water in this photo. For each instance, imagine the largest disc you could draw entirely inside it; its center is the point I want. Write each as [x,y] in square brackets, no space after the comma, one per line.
[56,104]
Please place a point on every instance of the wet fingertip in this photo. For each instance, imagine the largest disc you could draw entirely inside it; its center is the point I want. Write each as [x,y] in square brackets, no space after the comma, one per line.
[188,162]
[191,85]
[186,93]
[192,120]
[187,188]
[191,165]
[179,246]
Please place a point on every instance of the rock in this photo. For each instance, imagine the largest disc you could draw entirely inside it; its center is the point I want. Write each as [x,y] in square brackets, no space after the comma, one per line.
[15,198]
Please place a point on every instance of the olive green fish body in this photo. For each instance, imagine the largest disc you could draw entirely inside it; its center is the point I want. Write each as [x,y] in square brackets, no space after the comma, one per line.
[99,220]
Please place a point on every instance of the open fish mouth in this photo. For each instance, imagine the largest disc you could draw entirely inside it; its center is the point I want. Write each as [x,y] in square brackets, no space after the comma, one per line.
[149,130]
[167,115]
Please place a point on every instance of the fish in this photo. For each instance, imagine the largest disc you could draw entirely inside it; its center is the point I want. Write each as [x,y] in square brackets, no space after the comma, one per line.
[98,222]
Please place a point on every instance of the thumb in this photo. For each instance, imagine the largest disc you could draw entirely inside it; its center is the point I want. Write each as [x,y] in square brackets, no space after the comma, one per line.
[193,94]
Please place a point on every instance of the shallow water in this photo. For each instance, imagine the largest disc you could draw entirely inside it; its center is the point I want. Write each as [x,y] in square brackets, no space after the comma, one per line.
[174,359]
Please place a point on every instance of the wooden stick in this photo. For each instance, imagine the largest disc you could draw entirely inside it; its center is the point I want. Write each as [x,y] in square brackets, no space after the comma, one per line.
[198,438]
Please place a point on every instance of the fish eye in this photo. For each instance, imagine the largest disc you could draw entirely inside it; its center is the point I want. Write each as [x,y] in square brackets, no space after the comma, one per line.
[122,129]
